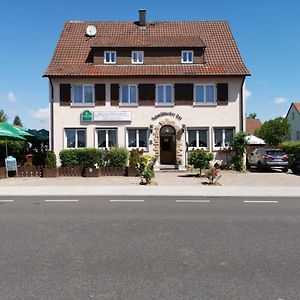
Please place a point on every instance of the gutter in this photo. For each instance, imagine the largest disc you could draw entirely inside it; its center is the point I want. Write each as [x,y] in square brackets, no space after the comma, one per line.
[51,116]
[242,106]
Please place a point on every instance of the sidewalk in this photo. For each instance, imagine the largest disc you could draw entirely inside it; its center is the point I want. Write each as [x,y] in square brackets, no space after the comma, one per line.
[273,184]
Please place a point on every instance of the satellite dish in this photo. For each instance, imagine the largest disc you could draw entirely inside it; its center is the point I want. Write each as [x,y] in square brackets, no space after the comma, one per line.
[91,30]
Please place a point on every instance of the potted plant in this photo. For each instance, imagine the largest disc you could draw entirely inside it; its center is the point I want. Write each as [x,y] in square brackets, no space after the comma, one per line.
[132,169]
[50,169]
[145,168]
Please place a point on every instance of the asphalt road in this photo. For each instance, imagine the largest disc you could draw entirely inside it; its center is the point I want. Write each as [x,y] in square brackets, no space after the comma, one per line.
[150,248]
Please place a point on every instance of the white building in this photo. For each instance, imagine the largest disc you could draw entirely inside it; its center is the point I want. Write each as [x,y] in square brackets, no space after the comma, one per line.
[164,87]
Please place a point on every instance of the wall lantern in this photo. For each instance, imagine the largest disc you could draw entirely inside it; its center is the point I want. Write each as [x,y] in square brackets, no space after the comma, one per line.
[183,127]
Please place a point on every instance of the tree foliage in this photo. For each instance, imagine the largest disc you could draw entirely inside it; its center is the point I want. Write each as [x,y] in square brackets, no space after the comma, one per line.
[252,116]
[238,146]
[200,159]
[274,132]
[3,116]
[17,121]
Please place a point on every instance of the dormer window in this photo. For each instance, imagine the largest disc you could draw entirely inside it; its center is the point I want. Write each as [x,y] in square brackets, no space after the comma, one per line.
[187,56]
[110,57]
[137,57]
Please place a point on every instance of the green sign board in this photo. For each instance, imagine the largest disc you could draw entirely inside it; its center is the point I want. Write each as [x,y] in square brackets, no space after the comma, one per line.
[86,116]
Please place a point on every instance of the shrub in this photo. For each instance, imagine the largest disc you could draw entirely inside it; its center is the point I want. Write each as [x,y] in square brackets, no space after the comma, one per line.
[116,157]
[200,159]
[134,158]
[238,146]
[213,175]
[145,168]
[291,148]
[68,158]
[50,160]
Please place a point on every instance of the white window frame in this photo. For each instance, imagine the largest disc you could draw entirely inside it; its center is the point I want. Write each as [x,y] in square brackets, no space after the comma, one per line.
[197,138]
[223,145]
[110,62]
[83,103]
[106,137]
[137,138]
[164,103]
[76,138]
[205,102]
[137,62]
[187,55]
[136,93]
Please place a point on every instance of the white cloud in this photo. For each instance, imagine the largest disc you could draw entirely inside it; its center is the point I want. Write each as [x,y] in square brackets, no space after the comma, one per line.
[11,97]
[40,114]
[280,100]
[247,94]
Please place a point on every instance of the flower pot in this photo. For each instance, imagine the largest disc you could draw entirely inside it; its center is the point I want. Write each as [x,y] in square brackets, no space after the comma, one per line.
[50,172]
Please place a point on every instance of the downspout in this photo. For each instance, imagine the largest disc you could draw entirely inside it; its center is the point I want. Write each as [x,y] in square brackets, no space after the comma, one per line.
[242,106]
[51,116]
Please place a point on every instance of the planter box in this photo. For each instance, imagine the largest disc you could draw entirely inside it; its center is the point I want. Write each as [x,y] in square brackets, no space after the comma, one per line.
[92,172]
[47,172]
[2,173]
[112,171]
[67,171]
[131,172]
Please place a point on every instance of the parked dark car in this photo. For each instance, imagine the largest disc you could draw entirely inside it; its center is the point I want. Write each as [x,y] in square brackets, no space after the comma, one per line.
[296,165]
[265,158]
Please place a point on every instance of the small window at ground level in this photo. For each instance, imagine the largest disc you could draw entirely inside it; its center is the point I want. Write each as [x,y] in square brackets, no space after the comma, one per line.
[107,138]
[137,138]
[75,138]
[197,138]
[223,137]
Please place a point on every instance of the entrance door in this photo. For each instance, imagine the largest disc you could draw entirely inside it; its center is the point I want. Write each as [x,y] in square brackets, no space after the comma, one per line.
[167,146]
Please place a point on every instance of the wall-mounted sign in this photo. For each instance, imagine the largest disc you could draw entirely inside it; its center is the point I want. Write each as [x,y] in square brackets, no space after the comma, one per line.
[86,116]
[166,114]
[112,116]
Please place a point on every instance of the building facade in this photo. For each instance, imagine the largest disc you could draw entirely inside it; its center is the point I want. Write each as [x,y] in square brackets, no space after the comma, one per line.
[163,87]
[293,118]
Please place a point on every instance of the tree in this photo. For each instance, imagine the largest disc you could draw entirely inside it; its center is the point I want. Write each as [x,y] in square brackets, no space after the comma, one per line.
[200,159]
[252,116]
[17,121]
[238,146]
[274,132]
[3,116]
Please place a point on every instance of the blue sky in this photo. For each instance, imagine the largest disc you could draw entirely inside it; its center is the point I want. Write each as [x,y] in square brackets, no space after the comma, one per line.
[267,33]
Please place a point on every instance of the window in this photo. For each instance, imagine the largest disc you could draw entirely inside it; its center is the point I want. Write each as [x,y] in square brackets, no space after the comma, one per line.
[137,57]
[75,138]
[129,94]
[83,94]
[297,135]
[137,138]
[164,94]
[187,56]
[223,136]
[293,115]
[110,57]
[197,138]
[107,138]
[204,93]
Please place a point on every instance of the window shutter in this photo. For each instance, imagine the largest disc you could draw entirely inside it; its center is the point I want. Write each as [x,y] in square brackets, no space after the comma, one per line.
[114,94]
[100,94]
[147,94]
[65,94]
[184,93]
[222,93]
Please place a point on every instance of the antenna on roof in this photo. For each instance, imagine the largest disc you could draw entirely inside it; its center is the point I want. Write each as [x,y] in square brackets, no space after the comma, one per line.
[91,30]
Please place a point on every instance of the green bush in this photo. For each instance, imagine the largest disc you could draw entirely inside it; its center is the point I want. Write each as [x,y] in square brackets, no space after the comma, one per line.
[116,157]
[200,159]
[68,158]
[134,158]
[292,147]
[145,168]
[50,160]
[238,146]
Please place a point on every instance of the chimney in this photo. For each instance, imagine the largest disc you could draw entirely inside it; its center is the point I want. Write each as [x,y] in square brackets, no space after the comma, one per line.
[142,19]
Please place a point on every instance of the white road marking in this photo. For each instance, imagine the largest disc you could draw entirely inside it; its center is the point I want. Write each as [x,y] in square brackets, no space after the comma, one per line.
[192,201]
[260,201]
[7,200]
[126,200]
[61,200]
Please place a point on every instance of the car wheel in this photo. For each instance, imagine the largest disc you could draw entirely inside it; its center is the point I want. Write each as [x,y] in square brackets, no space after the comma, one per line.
[260,166]
[285,170]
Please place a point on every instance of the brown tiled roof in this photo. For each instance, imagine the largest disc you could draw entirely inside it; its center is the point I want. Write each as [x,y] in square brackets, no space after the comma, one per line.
[252,125]
[221,55]
[297,105]
[148,41]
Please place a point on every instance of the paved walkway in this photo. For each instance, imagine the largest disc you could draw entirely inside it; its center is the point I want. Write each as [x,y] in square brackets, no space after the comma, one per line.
[274,184]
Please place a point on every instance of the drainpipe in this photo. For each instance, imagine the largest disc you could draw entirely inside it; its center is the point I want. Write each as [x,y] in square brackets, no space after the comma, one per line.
[242,106]
[51,117]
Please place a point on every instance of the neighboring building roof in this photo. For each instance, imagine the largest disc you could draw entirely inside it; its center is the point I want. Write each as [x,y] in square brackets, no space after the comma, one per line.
[252,125]
[71,57]
[296,105]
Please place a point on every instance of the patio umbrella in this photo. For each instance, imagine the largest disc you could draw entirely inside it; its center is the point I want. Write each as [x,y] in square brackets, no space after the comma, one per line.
[7,134]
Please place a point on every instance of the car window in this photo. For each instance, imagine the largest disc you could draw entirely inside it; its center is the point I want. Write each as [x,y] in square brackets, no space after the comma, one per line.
[275,153]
